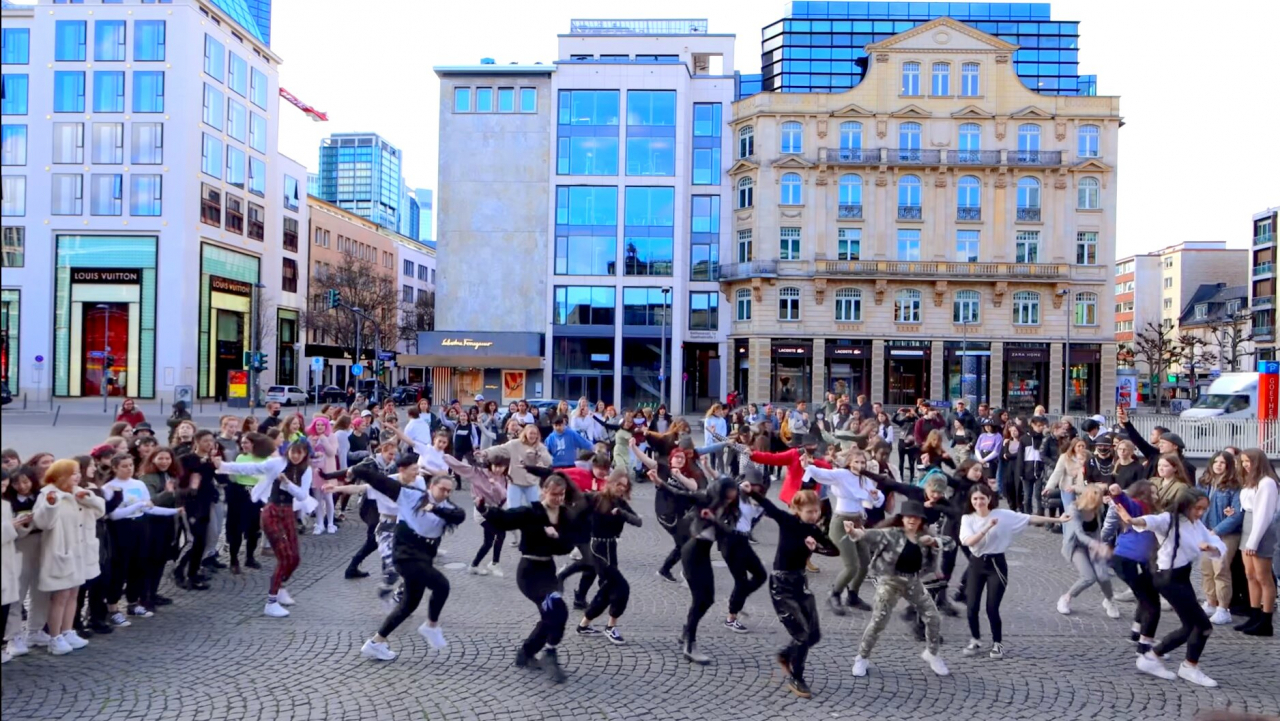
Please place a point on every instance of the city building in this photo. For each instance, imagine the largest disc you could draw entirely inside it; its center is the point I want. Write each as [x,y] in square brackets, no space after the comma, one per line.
[1264,298]
[254,16]
[820,47]
[426,215]
[417,264]
[313,184]
[939,231]
[1217,317]
[108,168]
[261,12]
[1137,289]
[361,173]
[1184,267]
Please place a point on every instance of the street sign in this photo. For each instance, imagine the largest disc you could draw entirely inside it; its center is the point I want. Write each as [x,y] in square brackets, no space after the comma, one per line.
[39,359]
[387,355]
[357,370]
[95,354]
[317,363]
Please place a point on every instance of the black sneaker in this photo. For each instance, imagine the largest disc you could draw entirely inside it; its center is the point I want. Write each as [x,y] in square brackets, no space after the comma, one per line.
[213,562]
[100,626]
[666,576]
[611,633]
[551,662]
[736,627]
[579,603]
[833,601]
[353,573]
[799,687]
[163,600]
[524,660]
[251,563]
[587,631]
[197,586]
[857,603]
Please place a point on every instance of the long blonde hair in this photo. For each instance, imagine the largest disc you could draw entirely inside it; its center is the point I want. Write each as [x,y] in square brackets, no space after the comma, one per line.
[1090,499]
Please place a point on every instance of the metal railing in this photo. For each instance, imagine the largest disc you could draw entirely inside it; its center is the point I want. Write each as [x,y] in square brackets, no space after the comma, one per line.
[1264,268]
[1263,332]
[1263,301]
[850,156]
[940,268]
[1264,239]
[968,213]
[1206,436]
[973,157]
[909,212]
[850,212]
[638,27]
[1035,157]
[1029,214]
[915,156]
[749,269]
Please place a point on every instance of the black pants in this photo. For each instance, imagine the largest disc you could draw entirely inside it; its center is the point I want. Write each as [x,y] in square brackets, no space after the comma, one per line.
[586,567]
[537,581]
[907,458]
[798,613]
[199,541]
[1138,577]
[243,522]
[695,559]
[129,560]
[493,538]
[614,591]
[414,557]
[674,528]
[748,572]
[1195,628]
[370,545]
[992,573]
[163,534]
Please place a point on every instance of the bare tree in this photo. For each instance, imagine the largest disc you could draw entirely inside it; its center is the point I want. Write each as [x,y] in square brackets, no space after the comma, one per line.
[1192,351]
[1231,334]
[361,284]
[1158,349]
[421,316]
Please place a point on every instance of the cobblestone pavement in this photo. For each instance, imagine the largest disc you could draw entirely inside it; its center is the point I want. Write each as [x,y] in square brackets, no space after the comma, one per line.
[214,656]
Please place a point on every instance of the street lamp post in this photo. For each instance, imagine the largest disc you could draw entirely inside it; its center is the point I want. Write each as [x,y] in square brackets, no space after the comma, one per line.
[255,330]
[1066,359]
[106,350]
[964,352]
[662,364]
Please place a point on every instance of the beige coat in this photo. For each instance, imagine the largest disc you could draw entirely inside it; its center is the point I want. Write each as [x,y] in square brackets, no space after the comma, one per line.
[69,553]
[8,556]
[521,456]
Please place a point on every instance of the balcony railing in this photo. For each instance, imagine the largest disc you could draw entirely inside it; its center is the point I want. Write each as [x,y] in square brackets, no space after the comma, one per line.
[915,156]
[940,269]
[973,157]
[1031,215]
[1263,269]
[968,213]
[1035,157]
[1264,239]
[850,212]
[909,212]
[851,156]
[1263,332]
[1263,302]
[749,269]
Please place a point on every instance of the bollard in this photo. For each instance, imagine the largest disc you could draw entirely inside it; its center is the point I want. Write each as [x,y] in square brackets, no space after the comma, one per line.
[56,414]
[116,413]
[24,401]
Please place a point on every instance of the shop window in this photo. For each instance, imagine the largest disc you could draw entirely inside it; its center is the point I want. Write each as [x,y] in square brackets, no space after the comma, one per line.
[289,234]
[210,205]
[289,275]
[235,215]
[848,305]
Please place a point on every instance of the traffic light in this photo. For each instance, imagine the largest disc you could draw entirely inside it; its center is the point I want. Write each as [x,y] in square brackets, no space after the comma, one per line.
[260,362]
[333,298]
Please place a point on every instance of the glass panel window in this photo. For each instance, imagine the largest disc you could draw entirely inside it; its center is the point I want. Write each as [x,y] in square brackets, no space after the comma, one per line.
[648,256]
[909,137]
[586,255]
[506,100]
[969,86]
[911,78]
[582,205]
[706,166]
[484,100]
[851,190]
[237,120]
[13,99]
[68,91]
[292,193]
[850,135]
[148,41]
[213,102]
[1086,248]
[906,306]
[742,305]
[746,193]
[791,189]
[148,91]
[289,276]
[145,197]
[968,194]
[746,142]
[13,144]
[147,147]
[528,100]
[848,305]
[462,100]
[215,59]
[966,307]
[258,88]
[651,107]
[789,244]
[238,77]
[69,41]
[106,194]
[789,304]
[68,143]
[15,245]
[704,310]
[109,41]
[1028,140]
[706,120]
[257,132]
[1026,308]
[587,155]
[257,222]
[235,215]
[745,251]
[108,143]
[1086,311]
[967,246]
[941,78]
[1027,247]
[1087,141]
[211,207]
[257,177]
[792,137]
[15,46]
[13,196]
[585,305]
[706,214]
[1088,194]
[68,195]
[644,306]
[651,207]
[909,191]
[848,244]
[211,156]
[108,91]
[908,244]
[588,107]
[1028,193]
[970,139]
[651,156]
[236,170]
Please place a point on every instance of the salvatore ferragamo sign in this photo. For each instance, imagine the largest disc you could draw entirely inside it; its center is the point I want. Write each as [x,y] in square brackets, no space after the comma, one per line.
[465,343]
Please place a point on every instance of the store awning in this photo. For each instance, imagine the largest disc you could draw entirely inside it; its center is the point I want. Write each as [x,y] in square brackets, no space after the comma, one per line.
[477,349]
[469,361]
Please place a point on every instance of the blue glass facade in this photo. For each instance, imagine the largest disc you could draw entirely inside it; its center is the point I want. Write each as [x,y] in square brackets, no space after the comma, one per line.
[252,15]
[361,174]
[820,47]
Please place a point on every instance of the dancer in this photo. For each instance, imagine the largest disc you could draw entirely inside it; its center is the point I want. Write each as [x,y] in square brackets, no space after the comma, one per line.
[387,512]
[285,486]
[1131,559]
[589,480]
[1083,547]
[988,531]
[1221,480]
[610,509]
[425,513]
[130,539]
[671,501]
[489,478]
[735,547]
[324,459]
[66,514]
[244,516]
[717,513]
[854,493]
[1259,533]
[902,554]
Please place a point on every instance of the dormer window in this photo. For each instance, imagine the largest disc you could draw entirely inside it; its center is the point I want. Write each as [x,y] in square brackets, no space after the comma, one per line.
[1202,311]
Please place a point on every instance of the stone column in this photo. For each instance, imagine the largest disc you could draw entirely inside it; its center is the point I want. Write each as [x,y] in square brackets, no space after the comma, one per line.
[937,371]
[997,375]
[759,370]
[877,371]
[819,370]
[1056,372]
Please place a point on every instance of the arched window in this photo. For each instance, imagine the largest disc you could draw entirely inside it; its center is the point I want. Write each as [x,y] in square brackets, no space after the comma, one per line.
[906,306]
[941,79]
[791,189]
[911,78]
[848,305]
[909,193]
[1087,197]
[746,193]
[743,304]
[789,303]
[850,135]
[792,137]
[969,80]
[1086,308]
[1028,193]
[851,190]
[1087,141]
[1028,143]
[1026,308]
[970,141]
[746,141]
[969,198]
[966,307]
[909,136]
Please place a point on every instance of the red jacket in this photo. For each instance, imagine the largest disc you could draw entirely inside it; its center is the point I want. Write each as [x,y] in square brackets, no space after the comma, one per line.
[795,472]
[584,479]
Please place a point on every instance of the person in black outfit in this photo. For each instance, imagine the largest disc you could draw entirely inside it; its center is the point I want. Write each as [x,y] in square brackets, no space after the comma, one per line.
[1168,443]
[609,510]
[716,513]
[908,452]
[197,492]
[272,420]
[674,482]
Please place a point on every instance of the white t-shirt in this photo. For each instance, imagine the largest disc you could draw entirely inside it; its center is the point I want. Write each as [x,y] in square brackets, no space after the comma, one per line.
[1008,525]
[852,494]
[136,497]
[1261,502]
[1189,536]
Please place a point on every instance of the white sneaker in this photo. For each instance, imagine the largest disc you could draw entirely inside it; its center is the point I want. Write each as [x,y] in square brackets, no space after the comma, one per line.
[1109,606]
[319,529]
[860,666]
[1195,675]
[18,646]
[936,663]
[1149,664]
[275,610]
[1221,617]
[1125,596]
[73,640]
[496,571]
[284,599]
[58,646]
[434,636]
[119,621]
[5,657]
[478,571]
[575,555]
[377,651]
[140,611]
[973,649]
[1208,608]
[38,638]
[1064,605]
[333,528]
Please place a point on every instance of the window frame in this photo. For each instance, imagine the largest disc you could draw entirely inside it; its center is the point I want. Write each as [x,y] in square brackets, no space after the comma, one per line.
[848,305]
[849,248]
[789,310]
[1085,310]
[789,247]
[851,135]
[746,194]
[940,79]
[745,242]
[711,313]
[156,201]
[1089,194]
[742,304]
[966,307]
[1089,141]
[1086,247]
[1026,308]
[910,86]
[970,73]
[746,142]
[908,306]
[791,137]
[791,187]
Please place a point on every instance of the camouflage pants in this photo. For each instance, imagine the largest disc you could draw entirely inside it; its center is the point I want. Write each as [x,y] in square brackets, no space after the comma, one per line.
[888,591]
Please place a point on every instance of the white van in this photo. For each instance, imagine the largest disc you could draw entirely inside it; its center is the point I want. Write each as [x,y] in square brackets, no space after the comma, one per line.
[1233,395]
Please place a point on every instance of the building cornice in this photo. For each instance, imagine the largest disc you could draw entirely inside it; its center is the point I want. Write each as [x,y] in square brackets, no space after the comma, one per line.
[942,23]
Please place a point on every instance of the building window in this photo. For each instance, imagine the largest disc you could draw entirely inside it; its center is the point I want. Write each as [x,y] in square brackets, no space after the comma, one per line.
[1087,141]
[791,189]
[68,143]
[706,166]
[462,100]
[289,236]
[906,306]
[969,80]
[745,251]
[742,309]
[211,206]
[909,139]
[235,215]
[15,46]
[967,246]
[911,78]
[1087,198]
[237,120]
[108,143]
[68,91]
[69,41]
[909,197]
[13,98]
[941,78]
[704,238]
[704,310]
[68,195]
[148,91]
[258,88]
[651,156]
[1086,311]
[1027,247]
[587,155]
[147,147]
[257,177]
[484,100]
[292,193]
[13,196]
[746,141]
[258,132]
[13,145]
[215,59]
[145,196]
[588,107]
[15,243]
[1028,199]
[746,193]
[289,275]
[108,91]
[109,41]
[1026,308]
[1086,248]
[586,224]
[908,244]
[528,100]
[851,135]
[1028,142]
[506,100]
[407,268]
[238,75]
[969,198]
[970,142]
[706,120]
[1168,283]
[966,306]
[406,294]
[651,120]
[792,137]
[422,273]
[850,196]
[585,255]
[235,167]
[257,222]
[789,244]
[586,305]
[789,304]
[848,305]
[644,306]
[213,102]
[648,223]
[849,243]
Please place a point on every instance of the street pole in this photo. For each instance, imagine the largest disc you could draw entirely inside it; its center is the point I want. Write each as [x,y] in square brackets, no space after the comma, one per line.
[359,318]
[106,350]
[254,331]
[964,353]
[1066,361]
[662,364]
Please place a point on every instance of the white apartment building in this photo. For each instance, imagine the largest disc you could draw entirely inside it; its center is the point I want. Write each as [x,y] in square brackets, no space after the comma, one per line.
[147,210]
[416,263]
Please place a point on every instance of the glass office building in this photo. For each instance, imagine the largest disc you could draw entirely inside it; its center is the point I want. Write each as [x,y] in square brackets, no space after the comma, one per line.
[820,47]
[360,173]
[252,15]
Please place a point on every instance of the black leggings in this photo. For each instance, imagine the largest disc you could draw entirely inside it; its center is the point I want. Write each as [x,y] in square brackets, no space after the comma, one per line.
[695,559]
[614,591]
[537,581]
[370,545]
[798,613]
[1195,628]
[907,458]
[674,528]
[1138,577]
[586,567]
[414,558]
[163,533]
[199,540]
[991,572]
[243,522]
[493,538]
[748,572]
[129,560]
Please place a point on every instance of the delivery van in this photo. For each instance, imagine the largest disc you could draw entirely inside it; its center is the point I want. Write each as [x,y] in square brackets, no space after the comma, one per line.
[1233,395]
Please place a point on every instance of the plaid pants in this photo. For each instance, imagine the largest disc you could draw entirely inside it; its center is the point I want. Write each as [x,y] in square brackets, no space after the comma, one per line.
[387,591]
[282,534]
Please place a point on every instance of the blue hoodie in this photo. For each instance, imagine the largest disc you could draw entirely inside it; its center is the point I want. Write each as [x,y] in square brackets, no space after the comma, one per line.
[564,447]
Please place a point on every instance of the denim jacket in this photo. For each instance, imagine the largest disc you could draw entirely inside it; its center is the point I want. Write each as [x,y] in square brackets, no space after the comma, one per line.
[1215,519]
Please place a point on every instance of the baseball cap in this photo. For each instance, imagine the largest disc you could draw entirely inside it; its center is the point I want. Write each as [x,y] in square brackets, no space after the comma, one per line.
[366,414]
[1100,419]
[479,397]
[1175,439]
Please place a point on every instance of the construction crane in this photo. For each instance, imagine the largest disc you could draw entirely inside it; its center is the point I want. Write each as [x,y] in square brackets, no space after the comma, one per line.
[311,112]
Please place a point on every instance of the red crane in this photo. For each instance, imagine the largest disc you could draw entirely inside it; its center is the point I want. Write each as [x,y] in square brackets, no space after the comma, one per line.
[311,112]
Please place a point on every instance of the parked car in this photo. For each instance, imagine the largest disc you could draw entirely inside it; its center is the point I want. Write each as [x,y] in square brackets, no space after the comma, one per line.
[327,394]
[6,396]
[406,394]
[286,395]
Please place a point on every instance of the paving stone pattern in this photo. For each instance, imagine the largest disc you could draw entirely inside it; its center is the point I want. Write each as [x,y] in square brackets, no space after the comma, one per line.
[214,656]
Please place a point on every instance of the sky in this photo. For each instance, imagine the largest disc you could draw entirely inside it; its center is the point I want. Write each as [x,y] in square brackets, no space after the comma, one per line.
[1188,83]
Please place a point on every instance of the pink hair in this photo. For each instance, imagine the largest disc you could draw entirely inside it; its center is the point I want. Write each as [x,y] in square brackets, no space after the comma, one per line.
[313,429]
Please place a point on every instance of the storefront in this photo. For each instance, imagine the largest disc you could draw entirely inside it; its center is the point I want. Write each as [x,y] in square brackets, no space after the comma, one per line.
[1083,373]
[791,371]
[105,296]
[583,368]
[907,370]
[227,285]
[742,366]
[968,372]
[504,367]
[1026,377]
[10,335]
[848,367]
